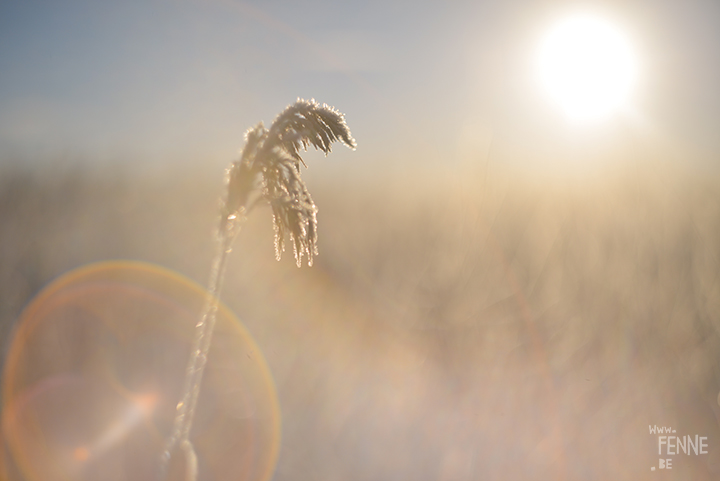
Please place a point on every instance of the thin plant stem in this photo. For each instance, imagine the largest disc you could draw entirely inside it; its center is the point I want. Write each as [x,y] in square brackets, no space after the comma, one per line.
[180,436]
[269,170]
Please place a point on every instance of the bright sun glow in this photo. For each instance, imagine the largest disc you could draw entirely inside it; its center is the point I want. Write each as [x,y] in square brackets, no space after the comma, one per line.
[587,66]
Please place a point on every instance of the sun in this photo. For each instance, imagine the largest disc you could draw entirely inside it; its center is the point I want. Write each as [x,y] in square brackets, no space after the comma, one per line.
[587,66]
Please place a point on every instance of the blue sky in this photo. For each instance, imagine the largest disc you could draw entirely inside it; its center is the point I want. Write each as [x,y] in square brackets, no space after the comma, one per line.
[418,81]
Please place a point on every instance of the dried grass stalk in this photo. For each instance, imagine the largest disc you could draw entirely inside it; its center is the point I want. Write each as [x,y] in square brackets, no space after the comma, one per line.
[268,170]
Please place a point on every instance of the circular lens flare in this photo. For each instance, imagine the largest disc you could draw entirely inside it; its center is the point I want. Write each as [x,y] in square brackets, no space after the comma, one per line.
[95,371]
[587,66]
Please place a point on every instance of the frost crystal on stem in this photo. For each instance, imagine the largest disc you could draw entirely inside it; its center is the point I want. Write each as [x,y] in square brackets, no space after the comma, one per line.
[270,166]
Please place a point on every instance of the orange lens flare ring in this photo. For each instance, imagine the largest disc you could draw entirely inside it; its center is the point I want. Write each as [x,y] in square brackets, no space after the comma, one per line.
[95,371]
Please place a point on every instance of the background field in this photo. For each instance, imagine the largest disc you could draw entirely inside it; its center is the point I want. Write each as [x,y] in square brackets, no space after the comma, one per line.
[458,324]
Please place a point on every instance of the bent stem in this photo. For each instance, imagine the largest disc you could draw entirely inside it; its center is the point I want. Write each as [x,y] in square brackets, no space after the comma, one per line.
[199,354]
[268,170]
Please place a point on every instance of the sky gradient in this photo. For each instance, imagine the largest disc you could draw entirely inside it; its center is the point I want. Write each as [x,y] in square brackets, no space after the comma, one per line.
[162,80]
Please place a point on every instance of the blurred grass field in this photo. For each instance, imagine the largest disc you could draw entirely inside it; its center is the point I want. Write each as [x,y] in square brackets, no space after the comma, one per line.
[456,325]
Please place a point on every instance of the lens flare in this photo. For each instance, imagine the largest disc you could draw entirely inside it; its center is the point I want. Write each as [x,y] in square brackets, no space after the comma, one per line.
[95,371]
